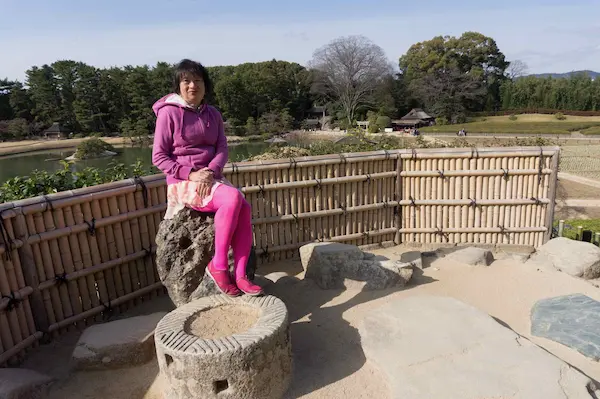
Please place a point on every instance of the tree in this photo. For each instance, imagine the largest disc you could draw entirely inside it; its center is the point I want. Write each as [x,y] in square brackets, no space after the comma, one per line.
[470,54]
[446,91]
[44,94]
[349,70]
[517,69]
[20,102]
[6,111]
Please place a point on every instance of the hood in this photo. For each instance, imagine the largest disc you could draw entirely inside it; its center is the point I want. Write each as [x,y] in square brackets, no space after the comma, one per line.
[174,100]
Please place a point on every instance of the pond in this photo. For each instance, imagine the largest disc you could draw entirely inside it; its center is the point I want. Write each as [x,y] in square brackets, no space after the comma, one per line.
[23,164]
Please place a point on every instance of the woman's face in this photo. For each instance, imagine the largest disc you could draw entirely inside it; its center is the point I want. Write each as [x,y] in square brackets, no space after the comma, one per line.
[191,89]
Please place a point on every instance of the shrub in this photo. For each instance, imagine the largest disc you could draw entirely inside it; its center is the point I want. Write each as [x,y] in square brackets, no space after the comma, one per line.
[383,121]
[43,182]
[441,121]
[560,116]
[373,128]
[92,148]
[513,117]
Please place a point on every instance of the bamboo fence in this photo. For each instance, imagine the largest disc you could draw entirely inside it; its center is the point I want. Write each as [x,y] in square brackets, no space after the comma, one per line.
[71,259]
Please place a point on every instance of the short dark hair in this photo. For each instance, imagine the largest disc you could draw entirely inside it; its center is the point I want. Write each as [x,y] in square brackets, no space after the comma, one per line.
[189,67]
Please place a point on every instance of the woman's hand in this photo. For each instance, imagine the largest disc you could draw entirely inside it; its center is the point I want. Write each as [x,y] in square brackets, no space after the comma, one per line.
[205,178]
[204,190]
[202,176]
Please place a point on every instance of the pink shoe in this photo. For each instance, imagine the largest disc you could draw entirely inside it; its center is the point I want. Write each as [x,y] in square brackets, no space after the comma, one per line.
[222,280]
[248,288]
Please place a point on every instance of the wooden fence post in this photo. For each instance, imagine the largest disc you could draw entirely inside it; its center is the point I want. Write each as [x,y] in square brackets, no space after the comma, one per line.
[552,195]
[30,275]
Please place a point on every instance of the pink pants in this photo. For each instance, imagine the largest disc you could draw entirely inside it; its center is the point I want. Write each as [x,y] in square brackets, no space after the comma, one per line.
[233,227]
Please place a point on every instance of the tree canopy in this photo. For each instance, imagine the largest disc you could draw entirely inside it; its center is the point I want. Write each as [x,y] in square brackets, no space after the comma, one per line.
[450,77]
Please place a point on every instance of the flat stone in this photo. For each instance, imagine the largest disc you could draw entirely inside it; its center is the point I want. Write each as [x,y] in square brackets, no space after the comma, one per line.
[119,343]
[572,320]
[576,258]
[472,256]
[330,264]
[413,258]
[438,347]
[17,383]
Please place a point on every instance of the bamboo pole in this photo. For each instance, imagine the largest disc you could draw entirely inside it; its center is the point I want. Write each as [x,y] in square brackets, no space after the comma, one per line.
[89,254]
[99,223]
[81,260]
[122,271]
[399,239]
[97,310]
[131,229]
[88,194]
[37,313]
[52,301]
[148,235]
[20,347]
[111,264]
[68,265]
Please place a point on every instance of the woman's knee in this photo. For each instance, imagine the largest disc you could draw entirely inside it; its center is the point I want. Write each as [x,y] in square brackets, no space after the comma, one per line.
[228,196]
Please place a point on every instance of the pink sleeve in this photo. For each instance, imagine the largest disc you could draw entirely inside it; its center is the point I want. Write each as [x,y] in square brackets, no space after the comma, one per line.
[222,152]
[162,149]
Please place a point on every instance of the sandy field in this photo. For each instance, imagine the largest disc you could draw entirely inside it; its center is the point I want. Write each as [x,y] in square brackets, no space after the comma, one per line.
[328,359]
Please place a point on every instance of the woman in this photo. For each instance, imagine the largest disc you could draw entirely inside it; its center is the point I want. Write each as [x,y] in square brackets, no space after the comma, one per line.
[190,147]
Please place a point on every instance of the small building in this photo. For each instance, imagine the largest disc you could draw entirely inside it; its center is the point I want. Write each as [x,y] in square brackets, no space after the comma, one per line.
[56,132]
[414,119]
[317,119]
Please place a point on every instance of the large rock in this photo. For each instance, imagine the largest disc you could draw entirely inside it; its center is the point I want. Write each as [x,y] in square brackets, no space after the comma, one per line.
[577,258]
[16,383]
[118,343]
[329,264]
[472,256]
[435,347]
[572,320]
[185,246]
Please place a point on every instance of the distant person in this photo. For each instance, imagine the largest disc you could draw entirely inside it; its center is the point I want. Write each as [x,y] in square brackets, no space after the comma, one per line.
[190,147]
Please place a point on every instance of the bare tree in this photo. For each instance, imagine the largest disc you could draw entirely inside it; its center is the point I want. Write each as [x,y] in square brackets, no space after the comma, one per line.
[516,69]
[349,69]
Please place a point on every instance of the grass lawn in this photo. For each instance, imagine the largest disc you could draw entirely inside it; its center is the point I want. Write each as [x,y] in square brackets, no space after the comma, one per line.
[571,226]
[526,123]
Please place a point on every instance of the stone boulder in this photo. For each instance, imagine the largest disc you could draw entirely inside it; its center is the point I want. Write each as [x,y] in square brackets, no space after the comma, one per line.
[577,258]
[329,264]
[118,343]
[472,256]
[17,383]
[185,246]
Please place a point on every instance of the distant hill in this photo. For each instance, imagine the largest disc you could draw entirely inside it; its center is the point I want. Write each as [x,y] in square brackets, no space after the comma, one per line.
[592,74]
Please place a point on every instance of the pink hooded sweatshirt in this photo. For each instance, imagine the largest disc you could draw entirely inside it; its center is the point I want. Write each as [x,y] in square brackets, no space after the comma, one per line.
[186,139]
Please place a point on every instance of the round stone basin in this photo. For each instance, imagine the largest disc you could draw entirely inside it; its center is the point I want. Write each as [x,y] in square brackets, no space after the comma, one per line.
[222,321]
[225,348]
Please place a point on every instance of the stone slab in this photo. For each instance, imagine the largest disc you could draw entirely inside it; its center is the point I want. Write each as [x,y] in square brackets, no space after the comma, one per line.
[17,383]
[472,256]
[572,320]
[330,264]
[438,347]
[412,258]
[118,343]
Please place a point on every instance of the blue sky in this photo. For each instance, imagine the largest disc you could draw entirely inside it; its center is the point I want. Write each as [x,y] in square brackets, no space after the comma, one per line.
[549,36]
